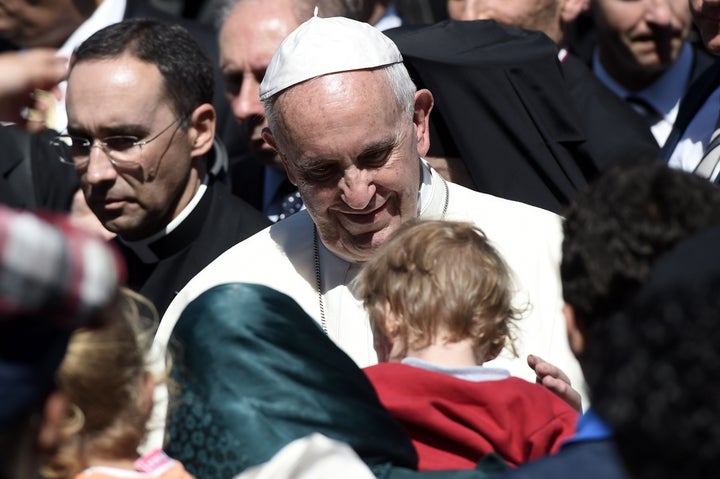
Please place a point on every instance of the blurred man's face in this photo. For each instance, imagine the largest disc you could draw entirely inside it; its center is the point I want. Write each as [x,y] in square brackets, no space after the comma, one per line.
[543,15]
[640,38]
[706,15]
[46,23]
[353,154]
[248,39]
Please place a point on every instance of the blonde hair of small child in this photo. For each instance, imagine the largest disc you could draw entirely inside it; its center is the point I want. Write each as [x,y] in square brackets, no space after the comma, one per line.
[104,375]
[440,277]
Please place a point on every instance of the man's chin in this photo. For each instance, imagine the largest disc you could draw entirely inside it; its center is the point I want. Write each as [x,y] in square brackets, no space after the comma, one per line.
[361,247]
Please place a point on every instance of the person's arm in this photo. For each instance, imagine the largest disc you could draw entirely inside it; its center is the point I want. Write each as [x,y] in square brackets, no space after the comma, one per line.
[555,380]
[24,73]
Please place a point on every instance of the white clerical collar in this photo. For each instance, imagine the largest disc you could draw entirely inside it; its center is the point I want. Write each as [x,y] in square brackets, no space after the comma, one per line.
[425,186]
[664,93]
[142,247]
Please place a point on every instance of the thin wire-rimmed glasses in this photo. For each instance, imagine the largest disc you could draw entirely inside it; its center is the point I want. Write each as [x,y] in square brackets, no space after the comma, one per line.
[123,151]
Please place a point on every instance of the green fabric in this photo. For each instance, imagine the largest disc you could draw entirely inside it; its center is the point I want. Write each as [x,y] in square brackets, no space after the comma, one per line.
[487,468]
[256,372]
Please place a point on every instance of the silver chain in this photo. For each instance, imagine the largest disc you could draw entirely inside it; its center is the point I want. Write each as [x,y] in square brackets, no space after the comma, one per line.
[316,263]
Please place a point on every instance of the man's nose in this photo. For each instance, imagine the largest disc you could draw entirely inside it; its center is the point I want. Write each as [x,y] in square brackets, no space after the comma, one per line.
[99,168]
[357,188]
[659,12]
[247,103]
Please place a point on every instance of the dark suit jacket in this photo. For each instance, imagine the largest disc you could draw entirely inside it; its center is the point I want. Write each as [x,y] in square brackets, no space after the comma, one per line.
[615,132]
[31,176]
[702,83]
[698,92]
[218,222]
[586,460]
[503,106]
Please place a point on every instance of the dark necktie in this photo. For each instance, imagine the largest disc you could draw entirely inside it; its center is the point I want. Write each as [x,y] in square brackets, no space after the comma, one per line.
[645,109]
[291,203]
[287,197]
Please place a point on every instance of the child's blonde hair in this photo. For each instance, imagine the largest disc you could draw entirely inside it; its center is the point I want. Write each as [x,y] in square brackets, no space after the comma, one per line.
[440,276]
[104,376]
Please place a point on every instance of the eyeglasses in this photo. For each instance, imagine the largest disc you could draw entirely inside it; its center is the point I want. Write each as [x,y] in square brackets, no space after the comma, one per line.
[123,151]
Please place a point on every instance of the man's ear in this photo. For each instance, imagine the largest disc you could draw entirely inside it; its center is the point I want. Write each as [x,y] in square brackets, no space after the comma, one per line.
[571,9]
[201,129]
[54,414]
[270,140]
[575,337]
[421,117]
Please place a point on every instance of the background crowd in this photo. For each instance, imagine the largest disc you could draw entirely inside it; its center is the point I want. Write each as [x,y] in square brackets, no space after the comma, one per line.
[295,238]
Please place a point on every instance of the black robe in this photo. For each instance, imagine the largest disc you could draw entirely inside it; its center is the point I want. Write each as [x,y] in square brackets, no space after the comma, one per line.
[218,221]
[503,105]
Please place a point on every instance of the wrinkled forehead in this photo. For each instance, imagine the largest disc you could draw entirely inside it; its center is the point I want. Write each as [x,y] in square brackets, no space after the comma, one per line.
[358,99]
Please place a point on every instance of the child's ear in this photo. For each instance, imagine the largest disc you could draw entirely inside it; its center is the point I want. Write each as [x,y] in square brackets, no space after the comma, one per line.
[54,413]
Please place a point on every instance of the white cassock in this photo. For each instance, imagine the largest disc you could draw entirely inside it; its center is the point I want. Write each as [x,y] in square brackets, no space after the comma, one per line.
[282,257]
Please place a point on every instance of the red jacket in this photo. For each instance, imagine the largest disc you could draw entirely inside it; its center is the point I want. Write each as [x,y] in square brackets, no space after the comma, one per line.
[453,423]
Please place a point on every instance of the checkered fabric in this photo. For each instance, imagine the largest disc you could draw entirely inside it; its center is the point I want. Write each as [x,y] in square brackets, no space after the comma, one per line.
[53,278]
[49,267]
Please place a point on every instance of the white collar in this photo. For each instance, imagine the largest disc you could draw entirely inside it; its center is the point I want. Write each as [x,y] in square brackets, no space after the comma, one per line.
[142,247]
[469,373]
[425,186]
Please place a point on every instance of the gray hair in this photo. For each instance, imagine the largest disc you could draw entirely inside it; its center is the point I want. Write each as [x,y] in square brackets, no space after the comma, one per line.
[400,83]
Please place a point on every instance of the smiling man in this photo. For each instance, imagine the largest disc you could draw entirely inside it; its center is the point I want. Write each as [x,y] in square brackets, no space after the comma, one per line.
[643,55]
[351,129]
[140,124]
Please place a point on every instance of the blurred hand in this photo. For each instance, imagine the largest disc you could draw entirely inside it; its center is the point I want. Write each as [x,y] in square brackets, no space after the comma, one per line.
[555,380]
[28,85]
[82,217]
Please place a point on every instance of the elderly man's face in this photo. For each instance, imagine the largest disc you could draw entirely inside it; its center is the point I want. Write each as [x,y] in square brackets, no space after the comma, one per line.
[250,35]
[706,15]
[640,37]
[126,97]
[354,156]
[542,15]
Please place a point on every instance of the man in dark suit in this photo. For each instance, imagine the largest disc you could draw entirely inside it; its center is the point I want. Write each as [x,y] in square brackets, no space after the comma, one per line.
[613,233]
[141,124]
[644,55]
[697,118]
[251,32]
